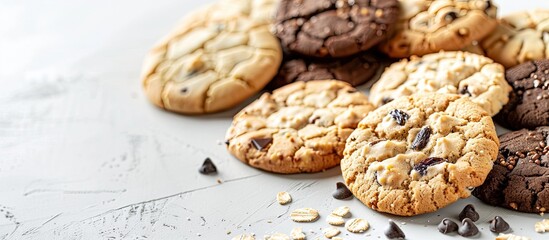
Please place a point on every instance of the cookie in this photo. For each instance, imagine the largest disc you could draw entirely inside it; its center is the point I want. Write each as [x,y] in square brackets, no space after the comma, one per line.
[419,153]
[428,26]
[528,105]
[520,178]
[519,38]
[214,59]
[333,28]
[301,127]
[355,70]
[467,74]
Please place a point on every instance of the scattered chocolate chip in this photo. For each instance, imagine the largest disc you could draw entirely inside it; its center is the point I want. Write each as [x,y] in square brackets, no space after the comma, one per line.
[451,16]
[207,167]
[468,228]
[422,166]
[386,100]
[341,191]
[469,212]
[400,116]
[447,226]
[422,138]
[465,91]
[261,143]
[498,225]
[393,231]
[184,90]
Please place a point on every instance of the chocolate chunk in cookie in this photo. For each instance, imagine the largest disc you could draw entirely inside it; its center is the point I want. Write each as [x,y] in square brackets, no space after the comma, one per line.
[520,177]
[336,28]
[528,106]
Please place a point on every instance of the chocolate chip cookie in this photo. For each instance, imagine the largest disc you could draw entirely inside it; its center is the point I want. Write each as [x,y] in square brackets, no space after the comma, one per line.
[520,178]
[467,74]
[419,153]
[428,26]
[518,38]
[528,106]
[301,127]
[214,59]
[335,28]
[355,70]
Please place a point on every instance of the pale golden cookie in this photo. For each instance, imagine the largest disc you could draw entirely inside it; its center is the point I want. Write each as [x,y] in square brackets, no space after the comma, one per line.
[301,127]
[214,59]
[419,153]
[463,73]
[519,38]
[428,26]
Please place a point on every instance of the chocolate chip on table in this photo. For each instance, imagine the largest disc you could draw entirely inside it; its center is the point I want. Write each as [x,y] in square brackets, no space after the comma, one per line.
[422,138]
[207,167]
[400,116]
[341,191]
[261,143]
[447,226]
[393,231]
[498,225]
[468,228]
[422,166]
[469,212]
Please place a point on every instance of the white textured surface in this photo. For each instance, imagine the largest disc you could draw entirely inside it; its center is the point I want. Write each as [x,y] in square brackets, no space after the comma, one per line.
[83,155]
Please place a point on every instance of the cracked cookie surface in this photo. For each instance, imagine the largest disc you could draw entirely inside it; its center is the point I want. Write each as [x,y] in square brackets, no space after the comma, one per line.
[520,177]
[355,70]
[214,59]
[419,153]
[333,28]
[301,127]
[518,38]
[528,106]
[463,73]
[428,26]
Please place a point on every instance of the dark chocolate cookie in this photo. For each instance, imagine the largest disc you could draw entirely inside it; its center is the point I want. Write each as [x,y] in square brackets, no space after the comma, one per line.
[520,177]
[355,70]
[528,105]
[336,28]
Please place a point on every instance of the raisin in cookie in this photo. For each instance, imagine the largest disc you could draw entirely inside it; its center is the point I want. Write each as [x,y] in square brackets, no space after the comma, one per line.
[428,26]
[520,177]
[419,153]
[467,74]
[356,70]
[301,127]
[518,38]
[528,106]
[336,28]
[214,59]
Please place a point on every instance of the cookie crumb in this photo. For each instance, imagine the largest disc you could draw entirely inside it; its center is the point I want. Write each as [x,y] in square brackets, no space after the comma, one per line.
[341,211]
[357,225]
[542,226]
[511,237]
[297,234]
[219,181]
[330,232]
[283,198]
[277,236]
[335,220]
[304,215]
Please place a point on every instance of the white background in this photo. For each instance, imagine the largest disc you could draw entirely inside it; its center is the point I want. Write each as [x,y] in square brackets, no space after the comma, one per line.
[83,155]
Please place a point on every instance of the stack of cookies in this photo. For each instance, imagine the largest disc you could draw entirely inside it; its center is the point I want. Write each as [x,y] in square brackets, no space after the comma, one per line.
[421,140]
